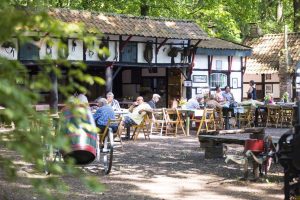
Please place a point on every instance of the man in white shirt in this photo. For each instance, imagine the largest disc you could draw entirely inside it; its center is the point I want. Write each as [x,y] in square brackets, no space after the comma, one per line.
[137,111]
[194,103]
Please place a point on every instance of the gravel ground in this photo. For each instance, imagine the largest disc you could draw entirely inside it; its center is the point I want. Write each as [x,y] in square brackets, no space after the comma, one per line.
[162,168]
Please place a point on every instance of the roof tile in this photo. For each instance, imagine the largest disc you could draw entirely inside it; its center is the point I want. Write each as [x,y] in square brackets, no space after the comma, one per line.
[265,57]
[129,25]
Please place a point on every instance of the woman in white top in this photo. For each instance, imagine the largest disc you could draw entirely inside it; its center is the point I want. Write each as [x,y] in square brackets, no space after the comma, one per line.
[219,97]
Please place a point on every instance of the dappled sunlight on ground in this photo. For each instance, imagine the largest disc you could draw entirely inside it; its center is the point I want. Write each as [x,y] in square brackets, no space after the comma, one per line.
[164,168]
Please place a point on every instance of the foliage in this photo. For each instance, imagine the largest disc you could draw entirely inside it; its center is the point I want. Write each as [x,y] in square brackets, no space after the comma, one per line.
[33,130]
[285,96]
[228,19]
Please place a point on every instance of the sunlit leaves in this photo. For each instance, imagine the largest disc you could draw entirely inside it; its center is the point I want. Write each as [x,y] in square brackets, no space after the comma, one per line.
[35,135]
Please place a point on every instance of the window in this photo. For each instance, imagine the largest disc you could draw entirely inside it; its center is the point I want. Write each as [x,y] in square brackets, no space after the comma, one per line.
[268,76]
[129,53]
[29,51]
[218,64]
[218,79]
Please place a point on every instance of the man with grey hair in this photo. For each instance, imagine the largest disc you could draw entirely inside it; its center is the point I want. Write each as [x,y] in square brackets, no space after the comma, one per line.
[194,102]
[103,114]
[153,101]
[112,102]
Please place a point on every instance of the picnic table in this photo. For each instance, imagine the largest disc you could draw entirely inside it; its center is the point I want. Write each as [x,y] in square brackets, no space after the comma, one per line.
[213,144]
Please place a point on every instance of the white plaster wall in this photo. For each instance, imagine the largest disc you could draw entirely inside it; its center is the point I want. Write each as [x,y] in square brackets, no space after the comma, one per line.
[54,50]
[224,60]
[201,62]
[141,49]
[235,75]
[237,93]
[276,92]
[245,89]
[195,73]
[199,90]
[274,78]
[7,53]
[77,52]
[160,72]
[113,50]
[236,63]
[255,77]
[162,56]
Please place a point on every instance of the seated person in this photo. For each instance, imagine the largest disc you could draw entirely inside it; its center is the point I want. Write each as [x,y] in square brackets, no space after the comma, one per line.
[174,103]
[112,102]
[154,100]
[219,97]
[228,96]
[194,102]
[137,110]
[211,102]
[103,114]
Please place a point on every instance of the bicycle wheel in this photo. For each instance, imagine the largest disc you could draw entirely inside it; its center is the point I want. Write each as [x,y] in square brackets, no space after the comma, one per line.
[107,152]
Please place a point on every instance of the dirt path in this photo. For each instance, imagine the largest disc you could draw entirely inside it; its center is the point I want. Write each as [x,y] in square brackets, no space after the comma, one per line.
[162,168]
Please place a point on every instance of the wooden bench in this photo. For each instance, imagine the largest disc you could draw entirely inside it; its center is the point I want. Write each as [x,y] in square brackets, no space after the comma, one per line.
[214,144]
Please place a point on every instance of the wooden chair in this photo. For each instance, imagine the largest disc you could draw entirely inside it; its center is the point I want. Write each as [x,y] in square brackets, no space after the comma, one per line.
[142,126]
[219,120]
[110,123]
[273,115]
[286,116]
[157,122]
[208,120]
[173,118]
[246,119]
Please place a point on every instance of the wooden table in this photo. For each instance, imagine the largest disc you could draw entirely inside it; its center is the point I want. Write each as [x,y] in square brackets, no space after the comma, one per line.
[212,142]
[188,113]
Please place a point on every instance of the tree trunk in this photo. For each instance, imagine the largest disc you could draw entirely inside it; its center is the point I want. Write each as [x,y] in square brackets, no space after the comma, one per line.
[144,8]
[285,77]
[296,4]
[279,11]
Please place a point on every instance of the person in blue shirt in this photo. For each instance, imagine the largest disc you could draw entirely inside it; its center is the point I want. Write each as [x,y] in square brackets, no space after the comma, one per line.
[228,95]
[103,114]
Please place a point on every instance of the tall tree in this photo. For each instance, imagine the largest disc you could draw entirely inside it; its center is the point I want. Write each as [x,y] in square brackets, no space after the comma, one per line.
[296,5]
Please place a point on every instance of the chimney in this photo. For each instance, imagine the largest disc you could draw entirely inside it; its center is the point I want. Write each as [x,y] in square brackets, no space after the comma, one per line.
[255,31]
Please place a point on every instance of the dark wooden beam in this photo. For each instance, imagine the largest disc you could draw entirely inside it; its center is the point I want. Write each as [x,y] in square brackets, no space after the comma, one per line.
[160,45]
[210,59]
[195,46]
[123,44]
[116,73]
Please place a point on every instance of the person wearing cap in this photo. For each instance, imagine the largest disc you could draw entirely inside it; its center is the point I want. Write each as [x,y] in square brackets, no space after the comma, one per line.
[153,101]
[194,102]
[252,90]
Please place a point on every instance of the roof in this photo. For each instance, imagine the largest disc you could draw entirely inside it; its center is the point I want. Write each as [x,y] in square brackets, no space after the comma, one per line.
[216,46]
[216,43]
[266,51]
[131,25]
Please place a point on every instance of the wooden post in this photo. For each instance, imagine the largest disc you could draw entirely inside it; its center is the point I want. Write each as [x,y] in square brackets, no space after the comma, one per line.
[53,94]
[108,77]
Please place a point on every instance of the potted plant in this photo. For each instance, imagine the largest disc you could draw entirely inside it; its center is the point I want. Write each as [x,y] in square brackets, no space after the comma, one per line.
[182,102]
[267,99]
[285,97]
